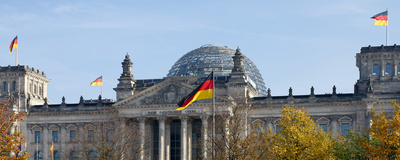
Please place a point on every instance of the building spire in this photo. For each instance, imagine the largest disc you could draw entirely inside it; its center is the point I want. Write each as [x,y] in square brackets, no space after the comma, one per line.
[238,61]
[126,85]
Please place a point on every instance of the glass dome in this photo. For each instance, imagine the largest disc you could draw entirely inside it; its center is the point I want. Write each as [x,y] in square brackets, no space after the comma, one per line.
[201,61]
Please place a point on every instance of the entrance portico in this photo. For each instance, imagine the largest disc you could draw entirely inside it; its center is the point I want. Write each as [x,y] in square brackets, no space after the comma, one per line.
[174,134]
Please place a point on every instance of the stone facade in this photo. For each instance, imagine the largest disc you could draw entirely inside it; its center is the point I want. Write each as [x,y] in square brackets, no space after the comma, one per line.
[152,103]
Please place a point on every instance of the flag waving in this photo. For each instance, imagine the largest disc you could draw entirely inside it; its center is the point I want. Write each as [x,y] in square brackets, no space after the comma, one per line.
[14,44]
[381,19]
[51,150]
[204,91]
[97,82]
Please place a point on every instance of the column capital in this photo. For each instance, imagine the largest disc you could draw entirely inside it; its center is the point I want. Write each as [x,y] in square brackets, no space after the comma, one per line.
[204,117]
[141,119]
[184,118]
[162,118]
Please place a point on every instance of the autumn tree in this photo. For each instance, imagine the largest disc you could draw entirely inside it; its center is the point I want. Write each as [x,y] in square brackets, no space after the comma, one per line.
[235,137]
[299,137]
[351,146]
[10,141]
[385,133]
[109,137]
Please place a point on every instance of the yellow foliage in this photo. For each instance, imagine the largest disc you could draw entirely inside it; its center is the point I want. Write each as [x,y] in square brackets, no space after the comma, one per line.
[386,132]
[299,137]
[10,142]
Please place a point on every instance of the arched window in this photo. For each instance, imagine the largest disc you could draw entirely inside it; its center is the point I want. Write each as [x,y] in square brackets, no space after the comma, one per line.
[56,155]
[92,155]
[375,69]
[40,90]
[38,156]
[5,86]
[388,69]
[73,155]
[14,86]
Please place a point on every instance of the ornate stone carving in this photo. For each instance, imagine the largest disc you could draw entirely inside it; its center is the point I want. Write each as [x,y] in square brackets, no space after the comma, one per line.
[168,95]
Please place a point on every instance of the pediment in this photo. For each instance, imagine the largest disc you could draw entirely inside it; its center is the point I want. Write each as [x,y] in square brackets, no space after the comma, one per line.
[54,127]
[345,119]
[322,120]
[166,92]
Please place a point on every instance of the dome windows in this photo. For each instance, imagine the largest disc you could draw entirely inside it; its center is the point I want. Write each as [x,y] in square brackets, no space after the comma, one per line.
[203,60]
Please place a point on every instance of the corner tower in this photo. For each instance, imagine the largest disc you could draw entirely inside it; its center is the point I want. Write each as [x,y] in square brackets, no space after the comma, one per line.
[126,85]
[379,69]
[25,86]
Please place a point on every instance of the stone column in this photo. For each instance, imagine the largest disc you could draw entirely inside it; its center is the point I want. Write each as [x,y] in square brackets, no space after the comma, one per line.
[63,138]
[142,121]
[167,138]
[46,152]
[184,137]
[161,146]
[334,126]
[269,123]
[204,127]
[189,138]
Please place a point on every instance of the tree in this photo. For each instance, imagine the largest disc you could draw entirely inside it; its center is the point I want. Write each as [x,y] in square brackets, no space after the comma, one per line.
[235,138]
[385,133]
[10,142]
[351,146]
[299,137]
[109,137]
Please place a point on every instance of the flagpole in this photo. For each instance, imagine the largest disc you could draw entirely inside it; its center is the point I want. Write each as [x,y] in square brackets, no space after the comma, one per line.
[102,86]
[387,29]
[37,147]
[213,110]
[16,55]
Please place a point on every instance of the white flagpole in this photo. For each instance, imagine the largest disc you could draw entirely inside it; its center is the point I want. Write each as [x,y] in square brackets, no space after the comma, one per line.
[387,28]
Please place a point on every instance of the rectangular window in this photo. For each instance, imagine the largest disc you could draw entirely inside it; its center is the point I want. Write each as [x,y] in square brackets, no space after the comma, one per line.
[277,129]
[324,127]
[55,136]
[109,135]
[345,128]
[72,134]
[90,135]
[37,136]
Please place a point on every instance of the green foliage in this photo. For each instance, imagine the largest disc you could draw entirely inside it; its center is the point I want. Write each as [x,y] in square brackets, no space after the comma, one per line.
[350,146]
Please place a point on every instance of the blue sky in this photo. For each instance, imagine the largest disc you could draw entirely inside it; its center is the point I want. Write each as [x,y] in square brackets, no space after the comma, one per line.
[295,44]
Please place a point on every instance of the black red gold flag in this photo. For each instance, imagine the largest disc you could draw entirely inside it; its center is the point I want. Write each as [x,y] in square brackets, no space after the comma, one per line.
[14,44]
[381,19]
[204,91]
[97,82]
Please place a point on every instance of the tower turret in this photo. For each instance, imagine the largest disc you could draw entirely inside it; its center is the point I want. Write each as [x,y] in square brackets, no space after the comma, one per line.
[126,85]
[379,70]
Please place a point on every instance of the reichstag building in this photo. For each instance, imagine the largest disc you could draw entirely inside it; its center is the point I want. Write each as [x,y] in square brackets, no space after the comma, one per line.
[168,134]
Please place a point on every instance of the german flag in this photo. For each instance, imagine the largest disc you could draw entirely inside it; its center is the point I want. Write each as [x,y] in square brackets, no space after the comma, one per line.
[51,150]
[381,19]
[204,91]
[97,82]
[14,44]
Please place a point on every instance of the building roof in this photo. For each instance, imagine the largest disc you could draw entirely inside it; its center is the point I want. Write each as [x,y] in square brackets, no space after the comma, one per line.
[203,60]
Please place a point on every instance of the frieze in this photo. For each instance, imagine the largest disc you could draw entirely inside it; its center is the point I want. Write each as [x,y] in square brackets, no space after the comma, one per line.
[172,112]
